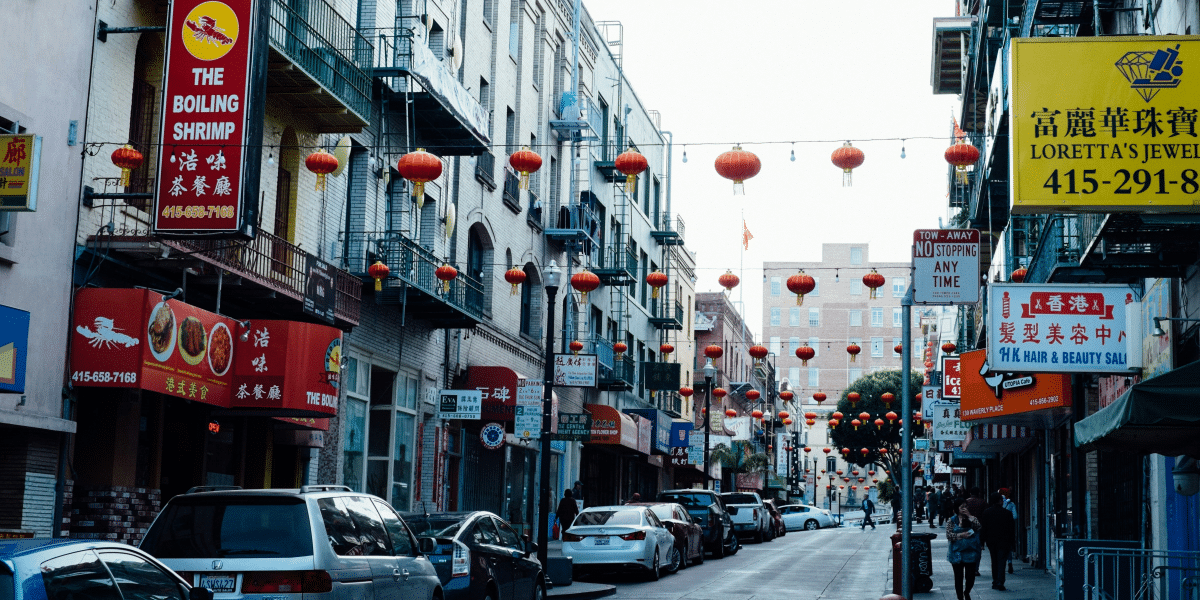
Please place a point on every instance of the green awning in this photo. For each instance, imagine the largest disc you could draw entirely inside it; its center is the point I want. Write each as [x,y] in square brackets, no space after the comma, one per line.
[1160,415]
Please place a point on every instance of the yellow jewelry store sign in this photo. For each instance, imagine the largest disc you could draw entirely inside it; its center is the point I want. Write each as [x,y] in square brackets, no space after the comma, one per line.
[1105,124]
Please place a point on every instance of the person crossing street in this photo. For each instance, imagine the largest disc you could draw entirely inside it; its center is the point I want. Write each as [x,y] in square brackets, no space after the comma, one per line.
[868,509]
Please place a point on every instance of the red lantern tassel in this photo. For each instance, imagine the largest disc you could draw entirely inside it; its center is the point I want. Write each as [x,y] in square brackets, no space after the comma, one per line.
[738,188]
[378,284]
[799,299]
[514,290]
[653,292]
[125,178]
[524,180]
[631,184]
[962,175]
[320,182]
[419,192]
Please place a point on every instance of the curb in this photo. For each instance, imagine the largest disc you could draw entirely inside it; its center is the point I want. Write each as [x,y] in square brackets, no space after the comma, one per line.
[583,591]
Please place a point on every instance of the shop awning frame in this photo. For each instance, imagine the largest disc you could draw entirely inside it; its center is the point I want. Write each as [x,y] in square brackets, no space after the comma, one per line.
[1160,415]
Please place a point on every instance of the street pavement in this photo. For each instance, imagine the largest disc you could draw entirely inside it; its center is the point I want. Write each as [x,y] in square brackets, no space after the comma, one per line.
[844,563]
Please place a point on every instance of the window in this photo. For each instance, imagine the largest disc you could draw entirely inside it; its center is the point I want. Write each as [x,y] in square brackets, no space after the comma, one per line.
[775,286]
[794,344]
[352,441]
[814,377]
[856,287]
[898,285]
[485,100]
[897,317]
[774,348]
[527,304]
[856,318]
[815,344]
[856,256]
[489,12]
[140,579]
[78,575]
[510,131]
[514,29]
[814,317]
[775,316]
[437,41]
[402,542]
[794,316]
[877,316]
[794,376]
[876,346]
[895,342]
[816,287]
[855,374]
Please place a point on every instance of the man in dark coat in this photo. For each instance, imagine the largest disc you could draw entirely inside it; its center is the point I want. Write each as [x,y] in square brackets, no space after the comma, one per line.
[567,510]
[998,532]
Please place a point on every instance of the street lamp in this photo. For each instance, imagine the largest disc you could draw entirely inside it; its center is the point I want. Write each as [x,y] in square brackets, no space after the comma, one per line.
[551,281]
[709,372]
[1158,330]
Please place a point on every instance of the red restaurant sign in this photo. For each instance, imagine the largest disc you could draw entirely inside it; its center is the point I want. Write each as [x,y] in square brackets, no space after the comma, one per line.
[203,136]
[288,368]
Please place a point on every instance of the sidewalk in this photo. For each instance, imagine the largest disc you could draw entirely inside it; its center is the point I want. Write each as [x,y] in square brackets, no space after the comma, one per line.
[577,590]
[1025,583]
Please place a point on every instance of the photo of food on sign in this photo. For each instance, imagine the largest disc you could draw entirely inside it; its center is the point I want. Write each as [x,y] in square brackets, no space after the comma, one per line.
[161,333]
[192,341]
[220,349]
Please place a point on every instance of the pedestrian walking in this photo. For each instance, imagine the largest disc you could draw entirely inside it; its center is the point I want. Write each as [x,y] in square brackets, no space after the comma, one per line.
[1006,495]
[577,494]
[976,505]
[963,551]
[868,510]
[635,498]
[567,511]
[998,532]
[933,504]
[948,499]
[897,506]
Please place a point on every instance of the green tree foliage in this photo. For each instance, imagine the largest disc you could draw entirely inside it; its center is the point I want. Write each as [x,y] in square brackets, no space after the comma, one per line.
[870,389]
[741,458]
[885,490]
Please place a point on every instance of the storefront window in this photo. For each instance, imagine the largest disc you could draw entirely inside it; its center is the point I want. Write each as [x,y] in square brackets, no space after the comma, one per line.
[354,443]
[402,463]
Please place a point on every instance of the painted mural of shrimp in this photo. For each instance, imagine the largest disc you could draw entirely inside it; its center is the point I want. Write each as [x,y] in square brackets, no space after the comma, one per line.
[106,335]
[206,30]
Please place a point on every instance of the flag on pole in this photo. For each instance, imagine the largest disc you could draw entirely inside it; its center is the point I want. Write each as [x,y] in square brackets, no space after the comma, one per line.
[746,235]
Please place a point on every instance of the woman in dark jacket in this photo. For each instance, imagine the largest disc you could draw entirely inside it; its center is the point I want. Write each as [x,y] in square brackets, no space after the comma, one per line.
[567,510]
[962,532]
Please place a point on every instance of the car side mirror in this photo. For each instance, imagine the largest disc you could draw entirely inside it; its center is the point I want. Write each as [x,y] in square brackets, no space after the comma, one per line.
[530,546]
[426,545]
[199,593]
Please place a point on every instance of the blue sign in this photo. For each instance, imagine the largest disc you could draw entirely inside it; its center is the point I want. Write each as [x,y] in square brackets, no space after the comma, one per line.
[14,349]
[660,435]
[680,434]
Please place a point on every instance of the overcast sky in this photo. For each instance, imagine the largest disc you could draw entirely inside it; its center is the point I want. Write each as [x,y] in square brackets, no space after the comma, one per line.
[766,73]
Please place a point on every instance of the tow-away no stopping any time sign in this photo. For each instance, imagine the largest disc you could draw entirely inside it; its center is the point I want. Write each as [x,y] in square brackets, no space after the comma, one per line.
[946,266]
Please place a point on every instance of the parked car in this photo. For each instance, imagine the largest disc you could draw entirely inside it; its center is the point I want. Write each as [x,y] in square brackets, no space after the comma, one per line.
[63,569]
[749,515]
[479,555]
[619,537]
[804,516]
[777,527]
[689,535]
[706,506]
[291,544]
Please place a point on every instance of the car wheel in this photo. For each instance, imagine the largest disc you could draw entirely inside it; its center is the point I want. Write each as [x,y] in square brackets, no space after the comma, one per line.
[759,537]
[491,595]
[719,551]
[655,572]
[539,590]
[699,560]
[737,545]
[675,562]
[810,525]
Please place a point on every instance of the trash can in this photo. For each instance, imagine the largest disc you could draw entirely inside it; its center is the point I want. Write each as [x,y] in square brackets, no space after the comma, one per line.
[921,562]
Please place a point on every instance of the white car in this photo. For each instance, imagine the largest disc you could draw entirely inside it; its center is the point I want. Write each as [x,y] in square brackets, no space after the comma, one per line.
[619,537]
[803,516]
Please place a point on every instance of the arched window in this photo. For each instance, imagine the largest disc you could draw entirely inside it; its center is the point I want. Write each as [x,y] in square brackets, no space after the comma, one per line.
[531,304]
[479,267]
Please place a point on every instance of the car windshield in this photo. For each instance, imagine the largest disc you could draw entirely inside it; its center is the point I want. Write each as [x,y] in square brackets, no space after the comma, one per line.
[690,500]
[435,525]
[205,527]
[739,499]
[609,517]
[662,511]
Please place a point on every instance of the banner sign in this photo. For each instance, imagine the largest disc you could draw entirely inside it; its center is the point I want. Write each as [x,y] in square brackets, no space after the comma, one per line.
[528,422]
[1156,350]
[205,147]
[576,427]
[696,448]
[929,395]
[1062,328]
[946,266]
[680,431]
[1111,129]
[319,295]
[20,161]
[575,370]
[660,425]
[286,368]
[989,395]
[14,349]
[661,375]
[460,404]
[951,378]
[946,423]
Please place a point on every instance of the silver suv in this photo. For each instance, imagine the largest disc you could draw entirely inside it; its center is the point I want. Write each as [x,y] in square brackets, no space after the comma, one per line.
[318,542]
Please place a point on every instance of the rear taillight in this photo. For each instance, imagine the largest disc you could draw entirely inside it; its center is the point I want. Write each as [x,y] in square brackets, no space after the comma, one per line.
[461,562]
[756,514]
[286,582]
[570,537]
[637,535]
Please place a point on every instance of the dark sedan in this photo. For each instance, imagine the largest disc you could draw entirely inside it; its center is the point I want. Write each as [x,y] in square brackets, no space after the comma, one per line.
[689,535]
[479,555]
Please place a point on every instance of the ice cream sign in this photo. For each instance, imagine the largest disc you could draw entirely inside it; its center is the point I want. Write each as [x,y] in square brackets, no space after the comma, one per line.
[1063,329]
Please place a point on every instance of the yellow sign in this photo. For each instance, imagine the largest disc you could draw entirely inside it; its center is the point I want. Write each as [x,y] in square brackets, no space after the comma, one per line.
[19,160]
[210,30]
[1105,124]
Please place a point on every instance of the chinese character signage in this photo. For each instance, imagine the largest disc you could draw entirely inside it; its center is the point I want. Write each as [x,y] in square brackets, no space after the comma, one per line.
[498,386]
[20,161]
[951,378]
[208,155]
[459,404]
[661,375]
[576,427]
[132,338]
[993,394]
[1105,124]
[575,370]
[287,368]
[946,266]
[946,423]
[14,349]
[696,448]
[319,295]
[929,395]
[661,428]
[680,431]
[1062,328]
[528,421]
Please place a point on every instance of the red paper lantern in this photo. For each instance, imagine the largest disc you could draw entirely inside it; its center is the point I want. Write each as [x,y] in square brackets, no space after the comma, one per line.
[805,353]
[839,471]
[128,159]
[619,350]
[666,350]
[865,416]
[757,414]
[949,347]
[686,391]
[753,395]
[322,163]
[576,346]
[826,451]
[758,352]
[378,272]
[853,397]
[833,423]
[729,412]
[874,280]
[585,281]
[713,351]
[809,422]
[962,155]
[807,450]
[801,284]
[855,423]
[728,280]
[898,348]
[837,414]
[516,277]
[871,473]
[656,280]
[525,161]
[883,450]
[879,423]
[786,395]
[810,415]
[819,397]
[783,414]
[1018,276]
[845,451]
[446,273]
[631,163]
[847,158]
[917,418]
[720,393]
[891,417]
[853,350]
[887,398]
[737,165]
[419,167]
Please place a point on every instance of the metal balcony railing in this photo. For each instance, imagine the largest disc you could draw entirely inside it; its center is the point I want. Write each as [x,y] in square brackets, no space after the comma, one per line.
[512,191]
[670,402]
[617,263]
[414,265]
[535,213]
[485,169]
[318,40]
[614,373]
[1063,242]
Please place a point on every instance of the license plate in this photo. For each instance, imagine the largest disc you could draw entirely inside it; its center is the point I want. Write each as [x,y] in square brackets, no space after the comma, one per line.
[221,584]
[602,541]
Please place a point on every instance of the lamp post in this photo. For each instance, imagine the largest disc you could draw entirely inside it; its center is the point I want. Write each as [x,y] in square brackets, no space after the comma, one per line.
[551,281]
[709,372]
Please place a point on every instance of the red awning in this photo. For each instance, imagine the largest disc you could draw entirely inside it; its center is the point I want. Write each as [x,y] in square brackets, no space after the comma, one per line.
[499,388]
[287,369]
[612,427]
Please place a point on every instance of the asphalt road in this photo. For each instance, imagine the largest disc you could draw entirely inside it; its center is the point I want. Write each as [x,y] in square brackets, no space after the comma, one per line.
[841,563]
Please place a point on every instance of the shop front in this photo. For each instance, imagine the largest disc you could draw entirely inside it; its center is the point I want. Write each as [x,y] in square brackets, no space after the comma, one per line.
[609,467]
